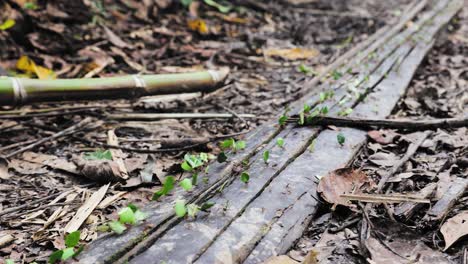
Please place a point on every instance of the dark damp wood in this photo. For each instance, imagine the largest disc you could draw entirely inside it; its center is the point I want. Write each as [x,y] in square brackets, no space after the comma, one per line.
[387,123]
[406,210]
[440,210]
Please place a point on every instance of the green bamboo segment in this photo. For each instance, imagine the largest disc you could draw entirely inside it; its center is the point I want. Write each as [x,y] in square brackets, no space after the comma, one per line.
[17,91]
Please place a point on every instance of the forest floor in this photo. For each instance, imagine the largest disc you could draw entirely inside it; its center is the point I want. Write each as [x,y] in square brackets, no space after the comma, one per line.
[272,49]
[438,90]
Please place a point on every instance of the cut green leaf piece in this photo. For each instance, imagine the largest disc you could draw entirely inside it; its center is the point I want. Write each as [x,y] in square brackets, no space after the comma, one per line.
[222,157]
[127,216]
[221,8]
[185,166]
[117,227]
[9,23]
[336,75]
[186,184]
[207,206]
[240,145]
[30,6]
[186,3]
[282,120]
[179,208]
[266,156]
[245,177]
[340,138]
[306,69]
[9,261]
[56,256]
[72,239]
[280,142]
[228,143]
[192,210]
[195,176]
[99,155]
[167,187]
[68,253]
[193,160]
[133,207]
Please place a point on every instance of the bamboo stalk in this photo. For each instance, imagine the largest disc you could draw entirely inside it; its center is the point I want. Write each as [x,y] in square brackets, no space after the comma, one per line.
[17,91]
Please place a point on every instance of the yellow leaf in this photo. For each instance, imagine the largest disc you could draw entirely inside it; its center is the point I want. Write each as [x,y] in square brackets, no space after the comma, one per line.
[27,65]
[9,23]
[292,54]
[198,25]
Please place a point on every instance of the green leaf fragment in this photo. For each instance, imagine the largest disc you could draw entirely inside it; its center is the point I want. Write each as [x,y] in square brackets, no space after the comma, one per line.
[9,23]
[282,120]
[245,177]
[340,138]
[222,157]
[68,253]
[186,184]
[179,208]
[206,206]
[221,8]
[240,145]
[117,227]
[192,210]
[185,166]
[55,256]
[167,187]
[280,142]
[140,216]
[228,143]
[127,216]
[72,239]
[9,261]
[99,155]
[266,156]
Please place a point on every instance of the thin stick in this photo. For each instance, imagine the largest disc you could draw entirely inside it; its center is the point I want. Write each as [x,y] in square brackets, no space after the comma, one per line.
[413,147]
[383,198]
[68,131]
[387,123]
[28,204]
[150,117]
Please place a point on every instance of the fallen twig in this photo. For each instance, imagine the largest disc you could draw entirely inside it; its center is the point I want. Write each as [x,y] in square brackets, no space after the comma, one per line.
[70,130]
[151,117]
[450,197]
[384,198]
[386,123]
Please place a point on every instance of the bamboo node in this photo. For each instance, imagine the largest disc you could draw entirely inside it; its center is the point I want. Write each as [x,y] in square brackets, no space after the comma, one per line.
[139,82]
[19,93]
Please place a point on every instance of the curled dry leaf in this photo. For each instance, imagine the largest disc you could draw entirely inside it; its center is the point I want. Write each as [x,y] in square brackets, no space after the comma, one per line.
[455,228]
[339,182]
[383,137]
[103,171]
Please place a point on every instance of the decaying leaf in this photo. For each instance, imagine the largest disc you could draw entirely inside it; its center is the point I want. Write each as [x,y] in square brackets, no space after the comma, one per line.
[455,228]
[397,243]
[341,181]
[383,137]
[292,54]
[102,171]
[29,66]
[384,159]
[198,25]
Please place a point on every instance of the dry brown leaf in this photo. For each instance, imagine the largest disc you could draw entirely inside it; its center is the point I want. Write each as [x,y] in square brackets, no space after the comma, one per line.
[383,137]
[341,181]
[455,228]
[384,159]
[198,25]
[399,244]
[292,54]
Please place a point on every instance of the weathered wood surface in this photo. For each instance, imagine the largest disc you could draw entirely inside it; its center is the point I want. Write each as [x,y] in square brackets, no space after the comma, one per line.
[268,214]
